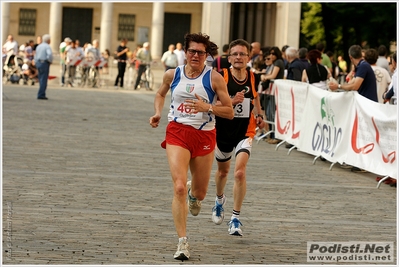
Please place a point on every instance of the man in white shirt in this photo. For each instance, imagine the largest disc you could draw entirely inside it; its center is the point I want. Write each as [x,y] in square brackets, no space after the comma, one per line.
[181,56]
[169,58]
[11,46]
[381,75]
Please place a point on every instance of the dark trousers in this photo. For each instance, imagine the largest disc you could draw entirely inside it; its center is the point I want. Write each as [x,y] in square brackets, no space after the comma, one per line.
[121,73]
[71,74]
[43,69]
[142,69]
[63,72]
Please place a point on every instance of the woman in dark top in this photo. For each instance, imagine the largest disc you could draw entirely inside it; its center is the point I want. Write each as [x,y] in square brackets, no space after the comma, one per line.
[316,74]
[277,73]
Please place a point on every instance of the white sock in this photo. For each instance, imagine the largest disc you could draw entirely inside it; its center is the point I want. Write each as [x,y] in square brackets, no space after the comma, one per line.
[220,200]
[182,239]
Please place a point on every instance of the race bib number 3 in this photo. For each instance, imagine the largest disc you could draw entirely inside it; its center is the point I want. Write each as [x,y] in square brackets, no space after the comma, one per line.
[242,110]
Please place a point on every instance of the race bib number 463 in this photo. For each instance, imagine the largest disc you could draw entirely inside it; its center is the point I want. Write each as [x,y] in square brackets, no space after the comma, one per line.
[186,112]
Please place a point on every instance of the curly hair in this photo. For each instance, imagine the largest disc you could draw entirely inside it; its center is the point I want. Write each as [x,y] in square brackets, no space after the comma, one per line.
[200,38]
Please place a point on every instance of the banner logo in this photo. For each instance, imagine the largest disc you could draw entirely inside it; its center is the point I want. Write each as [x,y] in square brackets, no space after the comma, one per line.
[325,135]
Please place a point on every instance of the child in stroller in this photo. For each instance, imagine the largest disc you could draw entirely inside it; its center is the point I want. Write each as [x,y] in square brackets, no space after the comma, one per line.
[12,69]
[29,71]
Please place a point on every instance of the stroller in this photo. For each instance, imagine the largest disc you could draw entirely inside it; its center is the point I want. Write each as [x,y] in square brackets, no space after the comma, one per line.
[12,69]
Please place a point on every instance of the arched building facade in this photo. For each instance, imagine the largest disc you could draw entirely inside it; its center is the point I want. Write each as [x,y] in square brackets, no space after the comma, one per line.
[160,23]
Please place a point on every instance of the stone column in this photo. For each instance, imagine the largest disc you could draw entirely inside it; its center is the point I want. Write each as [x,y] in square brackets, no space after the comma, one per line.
[216,22]
[55,26]
[107,9]
[288,24]
[156,40]
[5,12]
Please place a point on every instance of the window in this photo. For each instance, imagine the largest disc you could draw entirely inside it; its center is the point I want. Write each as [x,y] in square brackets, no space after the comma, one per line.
[126,25]
[27,22]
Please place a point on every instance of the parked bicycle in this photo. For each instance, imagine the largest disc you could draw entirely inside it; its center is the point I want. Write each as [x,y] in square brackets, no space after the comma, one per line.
[87,76]
[146,79]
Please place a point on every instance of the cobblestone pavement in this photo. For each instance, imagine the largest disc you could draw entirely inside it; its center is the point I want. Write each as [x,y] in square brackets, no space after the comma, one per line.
[85,181]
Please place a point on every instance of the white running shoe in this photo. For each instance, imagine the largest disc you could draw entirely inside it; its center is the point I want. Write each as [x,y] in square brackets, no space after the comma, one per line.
[182,252]
[234,227]
[194,205]
[218,211]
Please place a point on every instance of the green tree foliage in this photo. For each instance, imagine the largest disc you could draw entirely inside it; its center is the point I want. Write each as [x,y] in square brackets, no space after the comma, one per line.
[312,26]
[340,25]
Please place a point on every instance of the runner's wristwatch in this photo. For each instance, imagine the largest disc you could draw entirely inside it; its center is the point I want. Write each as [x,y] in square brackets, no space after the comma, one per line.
[210,110]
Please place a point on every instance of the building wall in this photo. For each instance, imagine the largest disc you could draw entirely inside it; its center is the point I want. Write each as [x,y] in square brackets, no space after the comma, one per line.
[273,31]
[142,11]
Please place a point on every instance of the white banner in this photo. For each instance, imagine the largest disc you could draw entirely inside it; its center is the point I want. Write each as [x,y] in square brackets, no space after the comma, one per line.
[340,126]
[373,137]
[290,102]
[325,131]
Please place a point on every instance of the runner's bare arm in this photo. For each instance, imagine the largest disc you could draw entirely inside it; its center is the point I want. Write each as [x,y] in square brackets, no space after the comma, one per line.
[160,97]
[224,107]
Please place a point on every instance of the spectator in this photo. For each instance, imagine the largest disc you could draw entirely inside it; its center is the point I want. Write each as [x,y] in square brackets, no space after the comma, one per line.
[295,69]
[255,52]
[295,66]
[325,60]
[278,72]
[381,75]
[211,56]
[63,47]
[382,58]
[335,68]
[316,74]
[222,62]
[144,58]
[393,87]
[364,78]
[28,51]
[303,56]
[169,58]
[38,41]
[11,46]
[121,57]
[72,54]
[43,59]
[181,56]
[284,59]
[21,50]
[29,71]
[105,55]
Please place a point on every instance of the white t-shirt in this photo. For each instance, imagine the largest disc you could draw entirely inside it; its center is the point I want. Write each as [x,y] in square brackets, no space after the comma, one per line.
[383,80]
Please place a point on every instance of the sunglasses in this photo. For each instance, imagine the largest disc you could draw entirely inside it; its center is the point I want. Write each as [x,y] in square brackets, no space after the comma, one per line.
[268,58]
[192,52]
[272,53]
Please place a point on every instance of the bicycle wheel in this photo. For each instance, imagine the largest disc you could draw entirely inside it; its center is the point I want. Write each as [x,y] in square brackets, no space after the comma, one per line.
[150,79]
